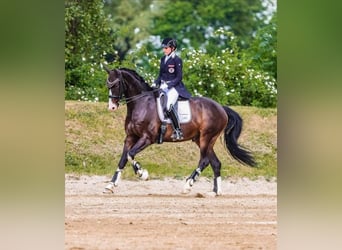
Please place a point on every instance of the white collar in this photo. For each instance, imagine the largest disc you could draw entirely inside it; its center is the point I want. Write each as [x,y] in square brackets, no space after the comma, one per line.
[172,54]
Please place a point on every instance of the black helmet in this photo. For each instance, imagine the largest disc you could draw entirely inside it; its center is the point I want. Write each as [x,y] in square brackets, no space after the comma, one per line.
[169,42]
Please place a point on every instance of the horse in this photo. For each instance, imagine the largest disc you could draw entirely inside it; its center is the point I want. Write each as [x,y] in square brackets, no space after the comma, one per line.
[142,126]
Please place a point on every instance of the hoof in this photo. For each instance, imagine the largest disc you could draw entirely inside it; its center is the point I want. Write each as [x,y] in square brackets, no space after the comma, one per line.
[144,175]
[109,189]
[187,187]
[219,193]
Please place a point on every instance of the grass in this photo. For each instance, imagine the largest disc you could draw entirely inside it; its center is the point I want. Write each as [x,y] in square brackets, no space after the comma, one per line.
[94,139]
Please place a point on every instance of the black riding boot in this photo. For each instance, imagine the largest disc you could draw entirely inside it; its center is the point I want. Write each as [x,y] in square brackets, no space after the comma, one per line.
[177,133]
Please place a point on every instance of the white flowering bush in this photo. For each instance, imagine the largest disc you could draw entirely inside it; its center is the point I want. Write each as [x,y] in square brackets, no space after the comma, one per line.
[87,36]
[93,87]
[230,76]
[227,78]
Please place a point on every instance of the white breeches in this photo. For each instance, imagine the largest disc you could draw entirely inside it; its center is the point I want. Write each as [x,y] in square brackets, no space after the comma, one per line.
[172,96]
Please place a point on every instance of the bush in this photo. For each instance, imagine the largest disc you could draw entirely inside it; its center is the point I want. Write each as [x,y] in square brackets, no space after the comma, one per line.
[229,77]
[91,84]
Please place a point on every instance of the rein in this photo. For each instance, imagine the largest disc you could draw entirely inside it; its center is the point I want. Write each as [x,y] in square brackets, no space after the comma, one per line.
[122,89]
[136,97]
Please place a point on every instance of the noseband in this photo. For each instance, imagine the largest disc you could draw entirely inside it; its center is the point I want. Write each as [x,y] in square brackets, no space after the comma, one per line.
[119,80]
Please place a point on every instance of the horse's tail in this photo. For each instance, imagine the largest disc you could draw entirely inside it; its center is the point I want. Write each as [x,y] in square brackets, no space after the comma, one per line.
[231,135]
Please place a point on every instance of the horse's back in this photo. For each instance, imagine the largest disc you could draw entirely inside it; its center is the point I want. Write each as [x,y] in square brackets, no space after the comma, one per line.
[206,110]
[206,105]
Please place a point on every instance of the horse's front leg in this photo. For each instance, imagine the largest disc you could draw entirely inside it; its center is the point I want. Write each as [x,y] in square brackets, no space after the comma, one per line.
[138,170]
[142,143]
[129,141]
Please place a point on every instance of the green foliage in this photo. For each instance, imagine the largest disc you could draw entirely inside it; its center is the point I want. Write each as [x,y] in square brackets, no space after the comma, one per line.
[263,50]
[221,61]
[130,20]
[227,77]
[87,36]
[192,22]
[90,85]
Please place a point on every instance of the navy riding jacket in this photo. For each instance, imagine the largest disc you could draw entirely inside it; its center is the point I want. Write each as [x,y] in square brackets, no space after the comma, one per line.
[172,73]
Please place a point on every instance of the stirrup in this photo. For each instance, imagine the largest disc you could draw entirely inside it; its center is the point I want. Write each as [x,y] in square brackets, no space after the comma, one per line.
[177,135]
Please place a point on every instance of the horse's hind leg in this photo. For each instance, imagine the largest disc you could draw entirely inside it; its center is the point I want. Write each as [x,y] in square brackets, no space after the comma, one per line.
[202,143]
[206,144]
[216,166]
[203,163]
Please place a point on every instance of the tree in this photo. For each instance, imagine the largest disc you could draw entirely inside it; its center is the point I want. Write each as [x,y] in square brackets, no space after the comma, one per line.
[193,22]
[87,35]
[228,77]
[228,48]
[130,20]
[263,49]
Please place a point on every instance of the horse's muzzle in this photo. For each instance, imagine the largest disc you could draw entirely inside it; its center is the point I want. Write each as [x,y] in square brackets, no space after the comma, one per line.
[113,104]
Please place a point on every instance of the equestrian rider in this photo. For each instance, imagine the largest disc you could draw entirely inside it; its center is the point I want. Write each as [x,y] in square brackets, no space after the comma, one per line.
[170,81]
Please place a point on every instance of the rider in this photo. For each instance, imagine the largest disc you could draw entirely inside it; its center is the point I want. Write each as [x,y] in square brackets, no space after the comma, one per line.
[170,81]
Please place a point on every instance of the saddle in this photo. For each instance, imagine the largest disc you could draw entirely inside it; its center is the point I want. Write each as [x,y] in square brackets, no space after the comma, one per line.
[182,106]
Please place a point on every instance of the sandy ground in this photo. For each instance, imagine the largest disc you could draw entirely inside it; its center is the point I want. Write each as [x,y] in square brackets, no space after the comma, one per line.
[155,215]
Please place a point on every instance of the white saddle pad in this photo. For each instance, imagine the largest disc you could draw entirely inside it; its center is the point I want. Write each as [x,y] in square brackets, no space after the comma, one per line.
[184,112]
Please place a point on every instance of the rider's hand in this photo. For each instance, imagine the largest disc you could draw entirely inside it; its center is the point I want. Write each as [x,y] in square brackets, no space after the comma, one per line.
[163,86]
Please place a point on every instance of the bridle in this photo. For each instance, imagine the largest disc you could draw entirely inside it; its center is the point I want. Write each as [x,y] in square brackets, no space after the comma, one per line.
[122,88]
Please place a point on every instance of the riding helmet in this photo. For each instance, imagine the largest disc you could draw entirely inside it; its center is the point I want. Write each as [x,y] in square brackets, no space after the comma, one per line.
[169,42]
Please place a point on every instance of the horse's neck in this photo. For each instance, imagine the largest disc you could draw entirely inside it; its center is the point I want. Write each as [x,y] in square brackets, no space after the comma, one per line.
[132,91]
[133,86]
[140,108]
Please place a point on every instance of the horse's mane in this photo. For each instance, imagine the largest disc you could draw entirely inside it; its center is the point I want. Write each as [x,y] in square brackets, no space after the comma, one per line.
[137,76]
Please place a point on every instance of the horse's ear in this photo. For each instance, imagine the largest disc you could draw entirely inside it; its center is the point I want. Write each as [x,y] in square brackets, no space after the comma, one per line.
[106,69]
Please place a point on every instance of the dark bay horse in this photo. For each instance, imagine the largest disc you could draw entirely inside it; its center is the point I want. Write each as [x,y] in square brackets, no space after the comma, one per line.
[142,124]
